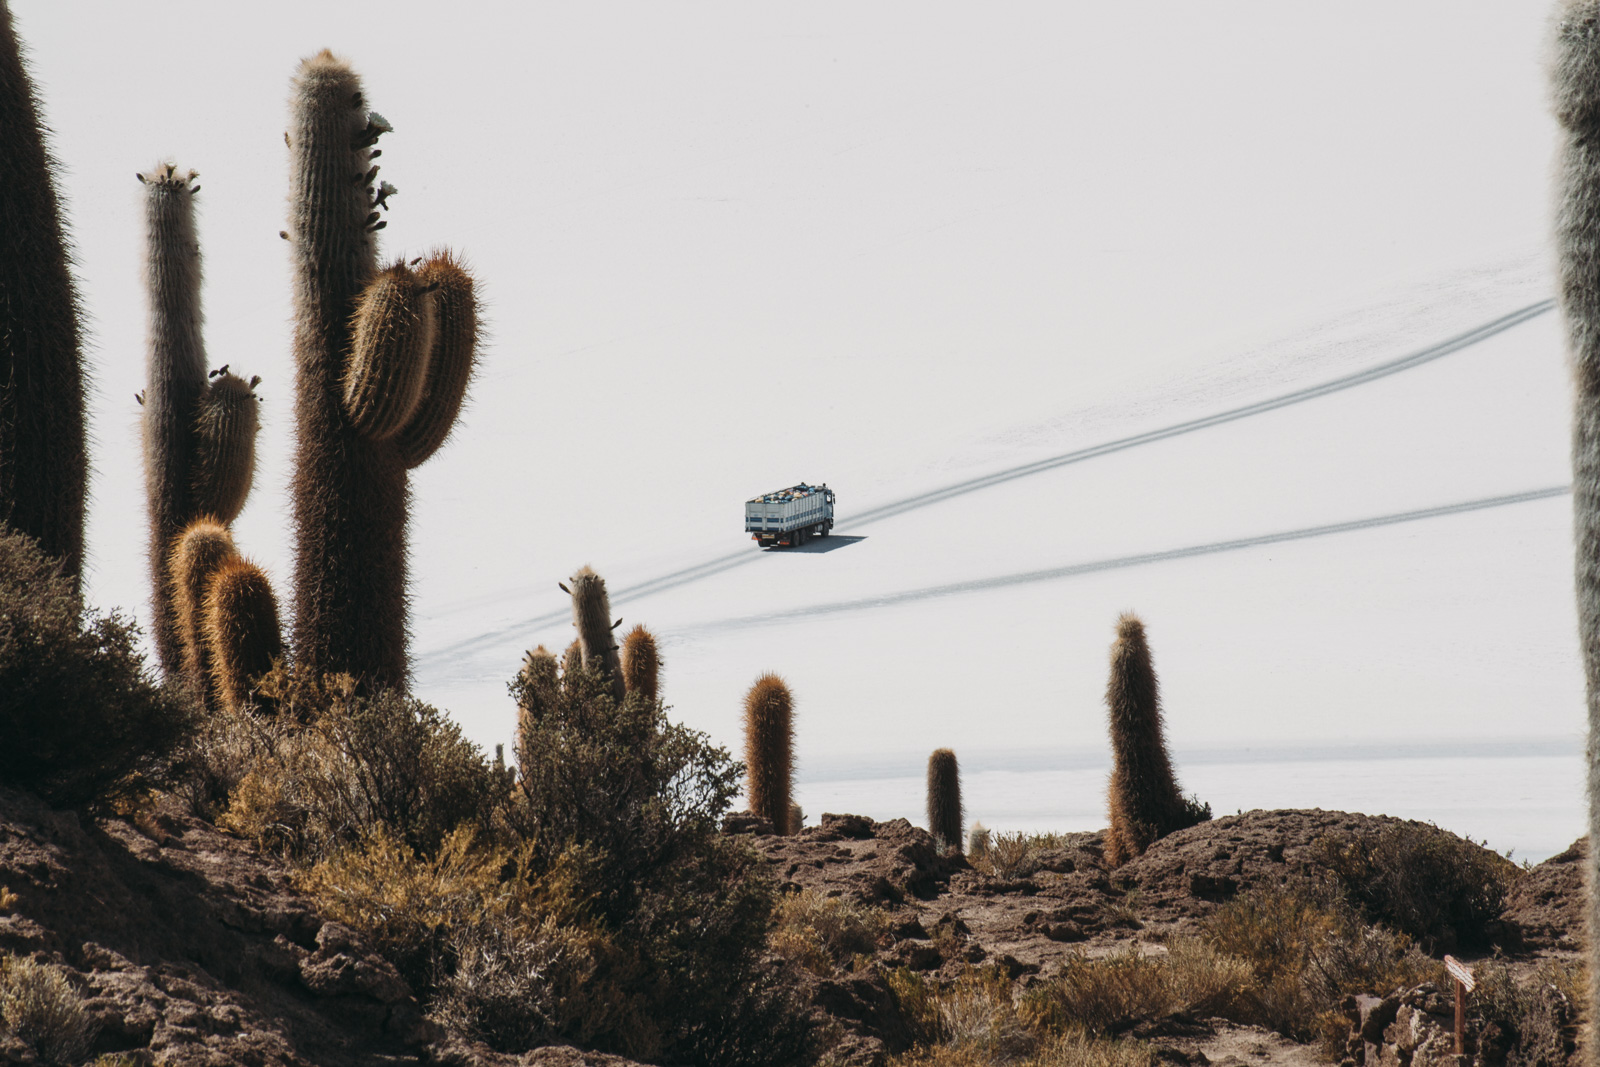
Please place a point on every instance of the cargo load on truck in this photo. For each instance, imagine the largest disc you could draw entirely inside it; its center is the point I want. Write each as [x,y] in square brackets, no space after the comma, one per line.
[789,517]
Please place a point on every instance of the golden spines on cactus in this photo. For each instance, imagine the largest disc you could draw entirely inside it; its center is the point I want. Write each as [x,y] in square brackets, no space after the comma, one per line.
[455,313]
[641,663]
[225,446]
[591,615]
[390,346]
[241,632]
[944,800]
[572,661]
[203,547]
[769,749]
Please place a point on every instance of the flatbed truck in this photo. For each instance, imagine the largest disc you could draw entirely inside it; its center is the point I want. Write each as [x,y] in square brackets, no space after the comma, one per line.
[789,517]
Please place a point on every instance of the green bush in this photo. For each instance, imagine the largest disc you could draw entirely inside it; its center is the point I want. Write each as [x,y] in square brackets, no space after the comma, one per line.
[627,805]
[82,722]
[1422,881]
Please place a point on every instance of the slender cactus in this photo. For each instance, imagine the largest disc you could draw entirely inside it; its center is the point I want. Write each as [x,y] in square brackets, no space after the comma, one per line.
[199,434]
[572,661]
[539,691]
[641,663]
[769,749]
[43,459]
[1575,82]
[363,398]
[1144,797]
[197,554]
[591,615]
[241,633]
[944,800]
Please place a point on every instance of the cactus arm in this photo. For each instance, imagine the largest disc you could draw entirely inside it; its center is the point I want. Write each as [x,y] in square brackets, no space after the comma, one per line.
[225,447]
[641,664]
[389,353]
[43,457]
[450,368]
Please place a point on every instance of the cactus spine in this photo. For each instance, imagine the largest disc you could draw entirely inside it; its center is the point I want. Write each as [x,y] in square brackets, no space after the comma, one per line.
[199,436]
[944,800]
[1144,797]
[350,492]
[1575,82]
[198,552]
[769,749]
[591,615]
[43,460]
[641,664]
[240,632]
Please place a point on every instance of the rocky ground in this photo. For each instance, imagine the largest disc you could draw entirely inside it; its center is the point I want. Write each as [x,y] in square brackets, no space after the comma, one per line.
[192,948]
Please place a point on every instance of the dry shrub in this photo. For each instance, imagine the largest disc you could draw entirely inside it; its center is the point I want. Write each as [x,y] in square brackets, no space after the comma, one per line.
[1527,1023]
[977,1020]
[1109,994]
[1306,949]
[67,676]
[39,1005]
[822,933]
[1441,890]
[335,768]
[407,904]
[1012,855]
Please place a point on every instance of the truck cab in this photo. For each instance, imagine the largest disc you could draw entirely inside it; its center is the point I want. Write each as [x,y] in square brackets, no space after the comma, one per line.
[788,518]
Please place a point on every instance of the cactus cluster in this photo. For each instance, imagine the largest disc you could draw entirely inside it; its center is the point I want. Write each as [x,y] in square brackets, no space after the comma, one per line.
[43,456]
[199,427]
[226,617]
[383,358]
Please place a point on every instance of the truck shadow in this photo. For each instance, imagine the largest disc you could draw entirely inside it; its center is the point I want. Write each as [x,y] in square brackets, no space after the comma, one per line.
[831,543]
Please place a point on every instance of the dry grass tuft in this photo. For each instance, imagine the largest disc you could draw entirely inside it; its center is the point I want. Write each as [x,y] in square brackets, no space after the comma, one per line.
[1111,993]
[823,934]
[1011,855]
[39,1005]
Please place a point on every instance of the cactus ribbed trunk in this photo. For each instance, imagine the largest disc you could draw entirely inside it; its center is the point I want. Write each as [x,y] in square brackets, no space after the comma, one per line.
[591,616]
[944,800]
[1144,798]
[769,750]
[175,383]
[43,461]
[350,493]
[1575,78]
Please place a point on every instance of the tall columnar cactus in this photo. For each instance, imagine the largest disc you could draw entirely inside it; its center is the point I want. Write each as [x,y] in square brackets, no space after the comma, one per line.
[641,664]
[769,749]
[944,800]
[540,686]
[591,615]
[199,434]
[43,461]
[202,549]
[241,633]
[382,361]
[1144,797]
[1575,79]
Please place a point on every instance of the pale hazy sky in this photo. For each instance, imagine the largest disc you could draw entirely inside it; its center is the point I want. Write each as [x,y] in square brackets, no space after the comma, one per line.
[728,247]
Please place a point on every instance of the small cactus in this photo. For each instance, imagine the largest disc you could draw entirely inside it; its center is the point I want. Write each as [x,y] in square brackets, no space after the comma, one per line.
[199,552]
[769,749]
[978,841]
[591,615]
[241,633]
[43,454]
[641,664]
[944,800]
[572,661]
[1144,798]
